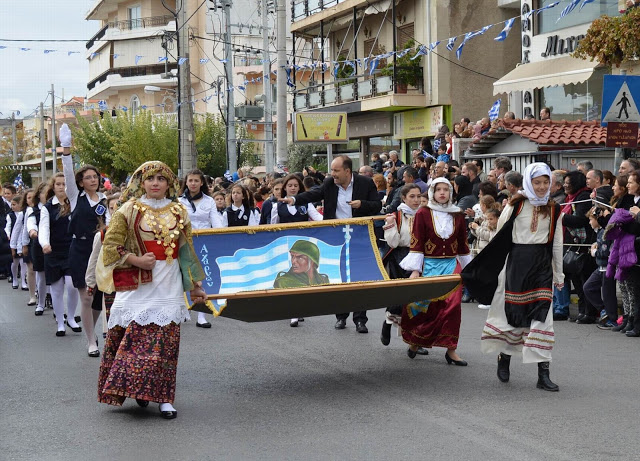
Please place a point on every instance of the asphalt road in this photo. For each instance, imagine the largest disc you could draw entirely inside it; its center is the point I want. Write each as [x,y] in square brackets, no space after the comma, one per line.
[268,391]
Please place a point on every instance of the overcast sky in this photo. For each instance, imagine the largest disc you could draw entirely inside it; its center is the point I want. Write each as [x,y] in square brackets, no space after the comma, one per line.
[27,76]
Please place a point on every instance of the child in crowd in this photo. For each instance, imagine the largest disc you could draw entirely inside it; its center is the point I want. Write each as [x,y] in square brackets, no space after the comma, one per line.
[241,211]
[220,202]
[15,234]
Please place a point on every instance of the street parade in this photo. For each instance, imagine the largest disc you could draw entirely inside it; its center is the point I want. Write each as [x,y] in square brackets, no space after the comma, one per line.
[365,230]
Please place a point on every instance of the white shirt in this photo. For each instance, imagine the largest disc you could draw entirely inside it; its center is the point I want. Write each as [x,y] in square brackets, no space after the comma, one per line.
[254,216]
[44,232]
[31,220]
[206,215]
[16,233]
[25,230]
[71,188]
[314,215]
[343,209]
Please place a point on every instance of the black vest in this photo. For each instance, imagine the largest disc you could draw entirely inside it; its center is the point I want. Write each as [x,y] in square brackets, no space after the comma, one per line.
[302,214]
[234,219]
[59,236]
[84,220]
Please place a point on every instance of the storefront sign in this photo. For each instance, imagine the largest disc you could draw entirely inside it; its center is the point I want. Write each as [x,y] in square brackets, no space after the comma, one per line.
[417,123]
[623,135]
[326,127]
[526,31]
[558,46]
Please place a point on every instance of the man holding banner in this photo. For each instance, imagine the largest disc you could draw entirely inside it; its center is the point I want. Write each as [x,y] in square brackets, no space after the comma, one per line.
[346,195]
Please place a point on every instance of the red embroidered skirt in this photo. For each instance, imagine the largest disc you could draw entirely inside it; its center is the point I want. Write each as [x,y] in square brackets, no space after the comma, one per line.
[439,326]
[139,362]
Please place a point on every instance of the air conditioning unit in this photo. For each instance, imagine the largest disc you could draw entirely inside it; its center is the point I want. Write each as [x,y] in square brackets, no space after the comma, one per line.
[247,113]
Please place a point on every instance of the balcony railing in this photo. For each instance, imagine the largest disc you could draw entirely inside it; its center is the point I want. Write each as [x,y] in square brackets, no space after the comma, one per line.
[356,88]
[131,72]
[97,36]
[131,24]
[300,9]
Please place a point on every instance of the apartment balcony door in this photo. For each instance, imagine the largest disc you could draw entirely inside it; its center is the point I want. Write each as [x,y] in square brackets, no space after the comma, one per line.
[134,14]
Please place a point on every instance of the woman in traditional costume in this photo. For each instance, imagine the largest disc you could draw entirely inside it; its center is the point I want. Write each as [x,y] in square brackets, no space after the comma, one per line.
[203,213]
[520,320]
[148,260]
[438,247]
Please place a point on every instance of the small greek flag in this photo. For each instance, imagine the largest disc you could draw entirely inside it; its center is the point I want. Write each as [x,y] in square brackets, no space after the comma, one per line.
[69,53]
[584,2]
[49,51]
[25,49]
[18,183]
[204,60]
[138,58]
[181,61]
[568,9]
[505,32]
[93,55]
[451,43]
[162,58]
[468,36]
[102,105]
[494,112]
[115,55]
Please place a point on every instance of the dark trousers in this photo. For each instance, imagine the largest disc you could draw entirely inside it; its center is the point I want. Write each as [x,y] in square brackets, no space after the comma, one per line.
[358,316]
[600,291]
[578,281]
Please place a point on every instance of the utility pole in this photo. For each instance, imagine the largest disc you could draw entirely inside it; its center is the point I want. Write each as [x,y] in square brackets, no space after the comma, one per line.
[43,161]
[187,147]
[232,153]
[15,137]
[281,46]
[53,131]
[269,159]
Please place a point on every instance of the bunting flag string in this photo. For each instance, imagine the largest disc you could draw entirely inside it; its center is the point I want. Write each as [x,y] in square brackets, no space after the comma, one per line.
[505,32]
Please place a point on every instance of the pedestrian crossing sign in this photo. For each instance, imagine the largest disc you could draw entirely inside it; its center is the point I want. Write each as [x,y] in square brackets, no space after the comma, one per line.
[619,96]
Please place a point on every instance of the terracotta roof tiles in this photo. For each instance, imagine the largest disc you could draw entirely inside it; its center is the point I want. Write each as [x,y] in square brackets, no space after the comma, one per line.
[576,133]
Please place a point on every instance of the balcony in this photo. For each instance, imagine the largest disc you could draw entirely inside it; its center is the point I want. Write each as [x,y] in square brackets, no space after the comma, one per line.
[370,92]
[97,37]
[301,9]
[129,77]
[142,23]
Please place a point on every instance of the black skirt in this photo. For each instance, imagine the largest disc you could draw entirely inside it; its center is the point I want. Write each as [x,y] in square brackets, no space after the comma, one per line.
[528,284]
[56,266]
[79,253]
[37,256]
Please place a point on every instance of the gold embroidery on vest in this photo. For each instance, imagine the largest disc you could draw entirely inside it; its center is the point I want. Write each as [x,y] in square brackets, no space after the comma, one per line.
[454,246]
[429,247]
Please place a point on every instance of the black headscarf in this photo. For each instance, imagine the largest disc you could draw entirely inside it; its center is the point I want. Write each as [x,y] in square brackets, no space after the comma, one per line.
[191,199]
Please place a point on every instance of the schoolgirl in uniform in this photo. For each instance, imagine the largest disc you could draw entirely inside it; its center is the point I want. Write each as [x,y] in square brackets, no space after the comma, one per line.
[281,212]
[15,236]
[27,208]
[202,212]
[35,250]
[241,211]
[89,212]
[55,240]
[219,198]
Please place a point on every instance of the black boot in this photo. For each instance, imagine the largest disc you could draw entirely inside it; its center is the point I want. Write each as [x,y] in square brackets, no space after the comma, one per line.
[622,325]
[629,326]
[385,336]
[504,360]
[634,332]
[544,382]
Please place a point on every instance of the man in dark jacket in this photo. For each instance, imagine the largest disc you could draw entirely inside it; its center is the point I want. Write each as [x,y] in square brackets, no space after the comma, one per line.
[345,195]
[601,192]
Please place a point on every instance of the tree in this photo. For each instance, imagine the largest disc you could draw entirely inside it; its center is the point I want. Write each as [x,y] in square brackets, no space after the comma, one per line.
[612,40]
[301,155]
[211,143]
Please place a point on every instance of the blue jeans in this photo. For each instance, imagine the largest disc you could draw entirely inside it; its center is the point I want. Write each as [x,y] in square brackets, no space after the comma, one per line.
[561,299]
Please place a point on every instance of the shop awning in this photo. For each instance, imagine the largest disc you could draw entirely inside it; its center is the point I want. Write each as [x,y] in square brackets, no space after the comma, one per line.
[551,72]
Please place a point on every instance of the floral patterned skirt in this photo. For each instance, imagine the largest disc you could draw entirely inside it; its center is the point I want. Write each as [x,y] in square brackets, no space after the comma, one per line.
[139,362]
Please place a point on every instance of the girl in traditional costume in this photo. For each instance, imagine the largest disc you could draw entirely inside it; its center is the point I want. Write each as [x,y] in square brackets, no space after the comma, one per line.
[203,213]
[520,320]
[148,259]
[438,247]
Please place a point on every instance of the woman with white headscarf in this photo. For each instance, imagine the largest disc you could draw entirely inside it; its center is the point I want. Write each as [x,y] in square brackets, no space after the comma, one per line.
[520,320]
[438,247]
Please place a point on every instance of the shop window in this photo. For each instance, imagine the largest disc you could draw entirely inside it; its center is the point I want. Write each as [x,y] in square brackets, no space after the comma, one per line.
[581,101]
[550,21]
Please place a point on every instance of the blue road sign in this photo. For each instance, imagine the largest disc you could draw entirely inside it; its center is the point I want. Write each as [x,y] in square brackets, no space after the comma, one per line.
[619,96]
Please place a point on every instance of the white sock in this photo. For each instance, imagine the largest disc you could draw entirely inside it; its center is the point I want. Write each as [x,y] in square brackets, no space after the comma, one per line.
[41,282]
[57,293]
[23,273]
[201,318]
[166,407]
[72,300]
[14,272]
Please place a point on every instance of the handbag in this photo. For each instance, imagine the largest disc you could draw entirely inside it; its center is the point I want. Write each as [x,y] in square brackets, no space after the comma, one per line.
[573,261]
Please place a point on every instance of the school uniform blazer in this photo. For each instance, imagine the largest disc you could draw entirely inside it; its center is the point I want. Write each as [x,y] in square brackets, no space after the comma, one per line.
[364,189]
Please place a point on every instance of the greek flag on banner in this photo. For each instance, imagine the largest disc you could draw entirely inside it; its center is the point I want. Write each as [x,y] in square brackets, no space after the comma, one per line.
[494,112]
[257,268]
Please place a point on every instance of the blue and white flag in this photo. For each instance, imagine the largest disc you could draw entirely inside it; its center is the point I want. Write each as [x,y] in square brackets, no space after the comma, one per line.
[451,43]
[505,32]
[162,58]
[494,112]
[3,47]
[69,53]
[584,2]
[422,50]
[468,36]
[25,49]
[115,55]
[49,51]
[102,105]
[204,60]
[568,9]
[402,53]
[138,58]
[18,183]
[181,61]
[253,269]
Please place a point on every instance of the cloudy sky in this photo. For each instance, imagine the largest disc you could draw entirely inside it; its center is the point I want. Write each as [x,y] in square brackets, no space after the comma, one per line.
[27,76]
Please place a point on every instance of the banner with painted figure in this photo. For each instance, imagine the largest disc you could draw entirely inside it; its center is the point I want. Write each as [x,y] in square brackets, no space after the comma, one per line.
[296,255]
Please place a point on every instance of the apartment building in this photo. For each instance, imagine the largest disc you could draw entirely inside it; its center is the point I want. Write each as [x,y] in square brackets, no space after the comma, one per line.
[397,104]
